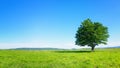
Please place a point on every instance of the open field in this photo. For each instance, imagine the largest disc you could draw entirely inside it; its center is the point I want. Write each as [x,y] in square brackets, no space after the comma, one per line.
[101,58]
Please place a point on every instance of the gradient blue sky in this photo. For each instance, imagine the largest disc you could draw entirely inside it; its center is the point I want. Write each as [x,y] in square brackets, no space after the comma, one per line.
[53,23]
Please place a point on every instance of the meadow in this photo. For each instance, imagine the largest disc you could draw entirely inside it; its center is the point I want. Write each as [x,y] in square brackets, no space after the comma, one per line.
[101,58]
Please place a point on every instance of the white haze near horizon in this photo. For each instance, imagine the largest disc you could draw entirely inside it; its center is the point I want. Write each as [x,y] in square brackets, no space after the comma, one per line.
[67,45]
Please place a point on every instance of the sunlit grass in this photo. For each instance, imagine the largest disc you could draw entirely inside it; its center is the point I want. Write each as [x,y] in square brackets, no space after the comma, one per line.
[101,58]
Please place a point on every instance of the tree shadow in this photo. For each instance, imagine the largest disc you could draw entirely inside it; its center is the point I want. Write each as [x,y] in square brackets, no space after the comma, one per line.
[72,51]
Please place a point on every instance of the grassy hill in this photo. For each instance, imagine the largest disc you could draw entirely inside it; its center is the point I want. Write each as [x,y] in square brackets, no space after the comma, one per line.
[101,58]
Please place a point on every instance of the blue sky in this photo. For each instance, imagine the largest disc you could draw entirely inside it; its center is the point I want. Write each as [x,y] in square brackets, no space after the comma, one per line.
[53,23]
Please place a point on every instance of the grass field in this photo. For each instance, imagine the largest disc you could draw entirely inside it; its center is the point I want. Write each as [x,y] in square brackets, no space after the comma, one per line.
[101,58]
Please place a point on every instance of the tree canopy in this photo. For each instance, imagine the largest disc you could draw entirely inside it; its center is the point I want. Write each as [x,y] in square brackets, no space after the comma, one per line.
[91,34]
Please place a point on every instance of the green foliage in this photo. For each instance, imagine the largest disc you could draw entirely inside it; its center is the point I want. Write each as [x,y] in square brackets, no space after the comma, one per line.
[91,34]
[101,58]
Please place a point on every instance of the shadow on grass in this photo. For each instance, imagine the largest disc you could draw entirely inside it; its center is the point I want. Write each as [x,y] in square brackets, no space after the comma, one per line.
[72,51]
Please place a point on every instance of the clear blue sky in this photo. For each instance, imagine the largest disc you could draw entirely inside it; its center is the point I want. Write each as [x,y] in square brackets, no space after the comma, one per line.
[53,23]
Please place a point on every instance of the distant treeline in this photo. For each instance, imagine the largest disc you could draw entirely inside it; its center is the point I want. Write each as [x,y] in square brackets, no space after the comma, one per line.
[56,48]
[38,49]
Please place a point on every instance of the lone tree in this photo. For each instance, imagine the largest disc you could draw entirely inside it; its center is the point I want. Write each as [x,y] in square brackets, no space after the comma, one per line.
[91,34]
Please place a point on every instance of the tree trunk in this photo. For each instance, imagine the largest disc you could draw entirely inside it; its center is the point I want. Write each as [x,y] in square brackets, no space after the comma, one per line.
[92,49]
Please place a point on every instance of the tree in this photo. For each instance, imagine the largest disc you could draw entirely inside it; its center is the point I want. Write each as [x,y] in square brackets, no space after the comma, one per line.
[91,34]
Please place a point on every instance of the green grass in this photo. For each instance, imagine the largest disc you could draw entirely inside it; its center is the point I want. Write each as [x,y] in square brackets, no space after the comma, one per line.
[101,58]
